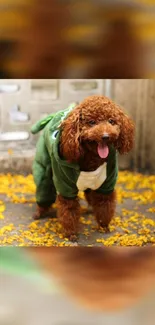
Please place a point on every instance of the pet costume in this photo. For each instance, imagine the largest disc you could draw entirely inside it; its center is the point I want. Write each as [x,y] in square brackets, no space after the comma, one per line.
[54,175]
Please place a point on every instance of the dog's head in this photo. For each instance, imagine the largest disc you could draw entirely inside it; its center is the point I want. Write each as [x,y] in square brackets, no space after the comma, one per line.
[96,124]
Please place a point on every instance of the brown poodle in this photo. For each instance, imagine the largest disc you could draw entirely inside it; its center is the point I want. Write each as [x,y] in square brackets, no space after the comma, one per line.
[90,136]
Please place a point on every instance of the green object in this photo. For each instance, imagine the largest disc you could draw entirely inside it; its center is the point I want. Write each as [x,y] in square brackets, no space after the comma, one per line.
[54,175]
[17,262]
[41,124]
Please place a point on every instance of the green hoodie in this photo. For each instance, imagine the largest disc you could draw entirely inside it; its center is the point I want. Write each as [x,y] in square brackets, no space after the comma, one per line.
[53,175]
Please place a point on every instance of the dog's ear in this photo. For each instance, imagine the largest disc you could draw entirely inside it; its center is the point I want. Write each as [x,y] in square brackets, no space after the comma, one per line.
[70,139]
[126,137]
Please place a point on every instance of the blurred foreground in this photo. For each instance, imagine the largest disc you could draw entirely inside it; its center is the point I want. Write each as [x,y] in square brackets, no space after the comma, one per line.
[93,286]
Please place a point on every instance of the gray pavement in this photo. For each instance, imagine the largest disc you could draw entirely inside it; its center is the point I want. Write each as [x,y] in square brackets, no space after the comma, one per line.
[46,231]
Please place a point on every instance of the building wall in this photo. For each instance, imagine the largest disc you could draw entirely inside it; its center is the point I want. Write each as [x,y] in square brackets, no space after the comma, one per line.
[22,102]
[138,98]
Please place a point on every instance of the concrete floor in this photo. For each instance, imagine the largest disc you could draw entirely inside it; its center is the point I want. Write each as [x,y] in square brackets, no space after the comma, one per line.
[20,215]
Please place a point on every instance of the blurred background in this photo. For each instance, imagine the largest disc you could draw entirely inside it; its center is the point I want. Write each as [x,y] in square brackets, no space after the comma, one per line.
[77,39]
[23,102]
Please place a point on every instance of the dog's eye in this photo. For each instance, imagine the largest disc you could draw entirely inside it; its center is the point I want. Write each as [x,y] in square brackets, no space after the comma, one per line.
[92,122]
[111,121]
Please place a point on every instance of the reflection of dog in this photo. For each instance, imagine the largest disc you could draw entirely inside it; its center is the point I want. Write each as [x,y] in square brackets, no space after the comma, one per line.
[107,278]
[81,146]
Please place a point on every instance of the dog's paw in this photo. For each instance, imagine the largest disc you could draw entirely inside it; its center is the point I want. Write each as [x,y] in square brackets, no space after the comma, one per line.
[104,228]
[36,216]
[72,238]
[41,213]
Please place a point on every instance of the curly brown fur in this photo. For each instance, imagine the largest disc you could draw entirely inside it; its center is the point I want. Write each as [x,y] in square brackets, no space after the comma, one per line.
[81,133]
[41,212]
[79,138]
[103,207]
[69,214]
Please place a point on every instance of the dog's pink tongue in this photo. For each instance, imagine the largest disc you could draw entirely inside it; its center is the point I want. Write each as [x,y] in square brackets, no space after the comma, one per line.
[103,150]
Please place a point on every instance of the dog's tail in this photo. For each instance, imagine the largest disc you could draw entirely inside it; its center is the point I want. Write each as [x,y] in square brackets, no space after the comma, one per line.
[40,125]
[37,127]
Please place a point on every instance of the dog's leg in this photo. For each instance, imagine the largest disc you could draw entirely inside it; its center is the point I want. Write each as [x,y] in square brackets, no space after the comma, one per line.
[45,190]
[103,206]
[69,214]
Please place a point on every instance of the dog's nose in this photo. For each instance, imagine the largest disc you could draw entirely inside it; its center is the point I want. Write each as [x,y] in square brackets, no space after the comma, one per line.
[105,136]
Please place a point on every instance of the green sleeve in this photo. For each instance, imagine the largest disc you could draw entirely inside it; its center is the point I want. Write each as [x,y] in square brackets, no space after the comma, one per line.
[42,174]
[65,179]
[112,173]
